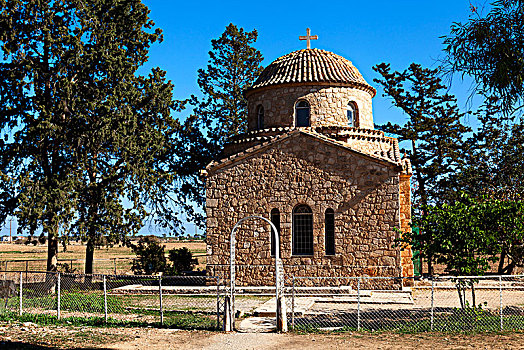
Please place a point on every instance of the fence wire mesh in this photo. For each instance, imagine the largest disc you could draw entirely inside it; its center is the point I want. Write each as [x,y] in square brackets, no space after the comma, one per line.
[193,302]
[444,304]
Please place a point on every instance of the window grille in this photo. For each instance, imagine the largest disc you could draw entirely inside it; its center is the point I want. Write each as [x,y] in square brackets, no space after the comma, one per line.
[275,219]
[260,117]
[330,231]
[302,230]
[351,113]
[302,114]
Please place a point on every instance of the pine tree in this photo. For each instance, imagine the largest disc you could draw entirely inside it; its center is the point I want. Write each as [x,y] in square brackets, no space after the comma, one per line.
[88,141]
[234,64]
[490,49]
[433,128]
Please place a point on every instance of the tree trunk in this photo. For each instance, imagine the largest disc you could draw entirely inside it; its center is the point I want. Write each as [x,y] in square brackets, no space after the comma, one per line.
[473,299]
[459,290]
[90,252]
[430,265]
[52,251]
[500,269]
[91,237]
[52,261]
[508,270]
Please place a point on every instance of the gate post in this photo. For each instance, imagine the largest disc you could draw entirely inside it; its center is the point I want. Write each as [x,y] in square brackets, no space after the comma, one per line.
[281,298]
[228,319]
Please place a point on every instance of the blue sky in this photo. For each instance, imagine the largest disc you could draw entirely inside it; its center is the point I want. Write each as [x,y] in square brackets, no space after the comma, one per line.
[367,33]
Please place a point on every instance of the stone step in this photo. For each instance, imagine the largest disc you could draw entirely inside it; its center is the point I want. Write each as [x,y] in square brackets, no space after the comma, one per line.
[258,325]
[481,284]
[399,297]
[268,309]
[303,304]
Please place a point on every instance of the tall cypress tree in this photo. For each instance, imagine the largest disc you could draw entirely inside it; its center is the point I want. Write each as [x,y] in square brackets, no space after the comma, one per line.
[87,140]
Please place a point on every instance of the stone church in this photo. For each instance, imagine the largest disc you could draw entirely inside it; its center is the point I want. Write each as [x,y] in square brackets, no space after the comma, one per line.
[311,162]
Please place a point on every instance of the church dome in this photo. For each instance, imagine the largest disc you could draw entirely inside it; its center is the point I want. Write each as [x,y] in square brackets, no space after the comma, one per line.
[312,66]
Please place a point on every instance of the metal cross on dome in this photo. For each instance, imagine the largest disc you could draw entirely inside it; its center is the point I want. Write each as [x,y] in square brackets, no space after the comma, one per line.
[308,37]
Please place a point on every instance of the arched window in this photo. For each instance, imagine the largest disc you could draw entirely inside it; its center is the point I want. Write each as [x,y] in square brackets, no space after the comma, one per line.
[275,219]
[352,113]
[260,117]
[302,230]
[329,229]
[302,114]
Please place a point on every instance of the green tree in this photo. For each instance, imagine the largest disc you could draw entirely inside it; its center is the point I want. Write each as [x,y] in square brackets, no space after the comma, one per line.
[490,48]
[150,256]
[468,234]
[87,141]
[433,128]
[495,156]
[234,64]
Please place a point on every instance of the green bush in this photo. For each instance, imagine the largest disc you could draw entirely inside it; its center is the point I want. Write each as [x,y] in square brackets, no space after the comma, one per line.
[182,260]
[150,256]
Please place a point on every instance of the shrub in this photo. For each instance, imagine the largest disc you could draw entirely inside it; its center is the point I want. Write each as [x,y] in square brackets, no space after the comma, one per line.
[150,256]
[182,260]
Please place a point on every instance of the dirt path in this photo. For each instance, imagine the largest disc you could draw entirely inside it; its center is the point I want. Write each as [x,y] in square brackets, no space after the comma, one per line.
[245,341]
[30,336]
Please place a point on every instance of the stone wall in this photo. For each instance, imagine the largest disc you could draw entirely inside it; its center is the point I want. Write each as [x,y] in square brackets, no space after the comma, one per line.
[301,169]
[328,105]
[406,254]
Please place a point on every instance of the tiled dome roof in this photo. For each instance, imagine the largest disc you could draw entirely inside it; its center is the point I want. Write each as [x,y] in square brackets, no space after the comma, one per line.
[312,66]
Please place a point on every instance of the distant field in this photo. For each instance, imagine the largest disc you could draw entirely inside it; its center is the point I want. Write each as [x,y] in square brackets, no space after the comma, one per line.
[104,257]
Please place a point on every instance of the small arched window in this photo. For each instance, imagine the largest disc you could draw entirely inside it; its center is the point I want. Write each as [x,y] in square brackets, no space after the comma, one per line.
[329,229]
[275,219]
[302,114]
[302,230]
[351,110]
[260,117]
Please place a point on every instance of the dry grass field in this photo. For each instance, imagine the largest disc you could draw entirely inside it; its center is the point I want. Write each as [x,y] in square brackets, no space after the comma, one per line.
[106,258]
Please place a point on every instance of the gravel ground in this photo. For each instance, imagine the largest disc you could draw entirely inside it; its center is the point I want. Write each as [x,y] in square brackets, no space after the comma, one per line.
[31,336]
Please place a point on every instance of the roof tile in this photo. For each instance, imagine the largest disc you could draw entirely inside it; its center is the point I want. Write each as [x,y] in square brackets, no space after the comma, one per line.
[310,66]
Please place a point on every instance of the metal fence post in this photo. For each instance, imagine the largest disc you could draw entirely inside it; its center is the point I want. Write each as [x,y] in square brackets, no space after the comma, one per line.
[217,279]
[160,296]
[105,299]
[432,301]
[358,303]
[58,296]
[293,304]
[500,301]
[20,295]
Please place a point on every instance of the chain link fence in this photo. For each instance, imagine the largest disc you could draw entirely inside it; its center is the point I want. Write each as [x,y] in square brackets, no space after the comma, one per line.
[191,302]
[446,304]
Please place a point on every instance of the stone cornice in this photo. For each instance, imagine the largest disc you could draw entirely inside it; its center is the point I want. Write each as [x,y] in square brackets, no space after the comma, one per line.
[356,85]
[215,165]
